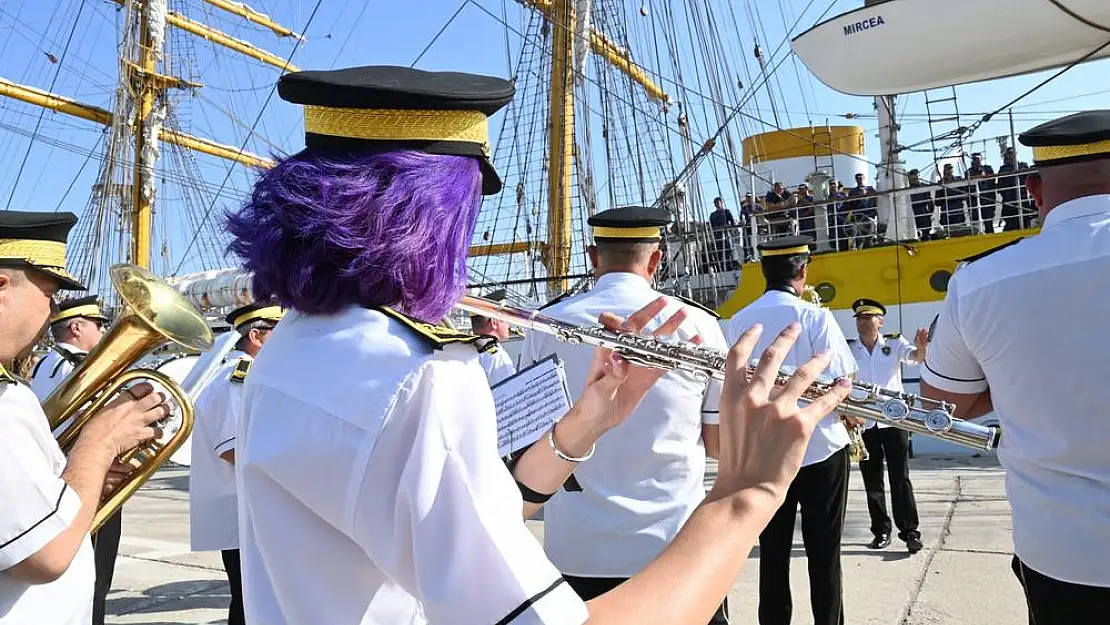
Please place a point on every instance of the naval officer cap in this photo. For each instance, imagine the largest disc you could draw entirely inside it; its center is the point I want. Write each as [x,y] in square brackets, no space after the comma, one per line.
[1075,138]
[629,223]
[400,108]
[865,306]
[254,312]
[785,247]
[86,307]
[38,241]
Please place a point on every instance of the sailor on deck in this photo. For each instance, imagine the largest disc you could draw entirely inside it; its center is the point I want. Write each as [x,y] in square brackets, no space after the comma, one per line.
[47,501]
[1023,333]
[369,485]
[77,328]
[213,505]
[880,361]
[821,487]
[629,500]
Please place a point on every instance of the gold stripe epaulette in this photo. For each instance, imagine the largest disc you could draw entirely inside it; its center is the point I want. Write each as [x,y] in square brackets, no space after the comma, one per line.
[239,373]
[893,336]
[435,336]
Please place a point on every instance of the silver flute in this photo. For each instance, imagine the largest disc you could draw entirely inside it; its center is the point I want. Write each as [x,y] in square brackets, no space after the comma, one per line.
[904,411]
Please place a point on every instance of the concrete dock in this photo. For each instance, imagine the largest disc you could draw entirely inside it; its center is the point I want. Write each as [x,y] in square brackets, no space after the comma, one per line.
[961,577]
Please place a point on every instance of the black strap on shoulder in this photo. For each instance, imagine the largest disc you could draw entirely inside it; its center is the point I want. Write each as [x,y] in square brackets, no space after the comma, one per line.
[988,252]
[697,305]
[434,336]
[785,288]
[70,357]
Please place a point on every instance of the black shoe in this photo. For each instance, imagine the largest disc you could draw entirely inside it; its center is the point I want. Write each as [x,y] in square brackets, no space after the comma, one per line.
[881,541]
[914,544]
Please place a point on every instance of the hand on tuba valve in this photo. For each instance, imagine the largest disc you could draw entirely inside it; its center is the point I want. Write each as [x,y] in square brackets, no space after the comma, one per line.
[154,313]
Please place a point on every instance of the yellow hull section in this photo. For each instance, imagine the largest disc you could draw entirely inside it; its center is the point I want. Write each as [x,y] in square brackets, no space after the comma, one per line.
[891,274]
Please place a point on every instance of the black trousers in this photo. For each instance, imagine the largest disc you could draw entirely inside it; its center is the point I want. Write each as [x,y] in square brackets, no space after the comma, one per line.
[893,446]
[105,548]
[235,581]
[589,587]
[822,492]
[1053,602]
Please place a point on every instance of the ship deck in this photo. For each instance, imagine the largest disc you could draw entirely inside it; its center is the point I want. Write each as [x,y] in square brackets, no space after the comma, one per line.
[962,576]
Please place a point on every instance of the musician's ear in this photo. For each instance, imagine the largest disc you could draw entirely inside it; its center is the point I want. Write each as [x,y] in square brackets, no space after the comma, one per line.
[592,252]
[654,260]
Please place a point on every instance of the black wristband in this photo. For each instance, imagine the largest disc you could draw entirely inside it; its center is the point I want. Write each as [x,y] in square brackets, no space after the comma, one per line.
[532,496]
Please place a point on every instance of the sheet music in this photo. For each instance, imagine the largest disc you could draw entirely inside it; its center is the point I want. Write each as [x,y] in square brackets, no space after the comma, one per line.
[528,404]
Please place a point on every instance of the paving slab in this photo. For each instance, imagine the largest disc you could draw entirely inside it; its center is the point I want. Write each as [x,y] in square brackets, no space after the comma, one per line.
[962,575]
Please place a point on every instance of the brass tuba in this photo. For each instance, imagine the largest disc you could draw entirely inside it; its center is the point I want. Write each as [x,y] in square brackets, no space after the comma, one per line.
[858,449]
[153,314]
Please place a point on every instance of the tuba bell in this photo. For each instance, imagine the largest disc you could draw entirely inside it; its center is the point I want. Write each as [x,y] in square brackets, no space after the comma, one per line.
[153,314]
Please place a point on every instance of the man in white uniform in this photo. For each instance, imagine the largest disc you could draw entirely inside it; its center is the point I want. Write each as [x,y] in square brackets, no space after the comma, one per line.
[213,505]
[627,502]
[491,355]
[77,328]
[370,490]
[1022,333]
[821,487]
[880,361]
[48,501]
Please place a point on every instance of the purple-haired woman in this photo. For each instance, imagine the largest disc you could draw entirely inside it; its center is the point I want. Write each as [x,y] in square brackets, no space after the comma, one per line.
[370,490]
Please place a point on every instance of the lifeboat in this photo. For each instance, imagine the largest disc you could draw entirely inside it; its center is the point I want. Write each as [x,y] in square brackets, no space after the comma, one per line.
[903,46]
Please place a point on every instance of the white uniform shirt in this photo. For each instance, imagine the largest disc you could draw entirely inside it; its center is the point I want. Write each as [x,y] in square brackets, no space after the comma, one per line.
[36,505]
[370,490]
[776,310]
[497,364]
[883,364]
[213,505]
[52,369]
[646,475]
[1029,323]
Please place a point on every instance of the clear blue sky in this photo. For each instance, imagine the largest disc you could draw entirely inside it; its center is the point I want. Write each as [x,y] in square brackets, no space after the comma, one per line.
[346,33]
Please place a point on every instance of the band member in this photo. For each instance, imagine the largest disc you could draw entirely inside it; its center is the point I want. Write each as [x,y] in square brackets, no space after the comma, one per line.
[370,490]
[991,349]
[496,362]
[77,328]
[821,487]
[880,361]
[213,505]
[49,500]
[628,501]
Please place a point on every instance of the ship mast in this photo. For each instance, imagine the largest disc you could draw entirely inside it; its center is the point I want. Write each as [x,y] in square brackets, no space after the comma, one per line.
[149,90]
[561,145]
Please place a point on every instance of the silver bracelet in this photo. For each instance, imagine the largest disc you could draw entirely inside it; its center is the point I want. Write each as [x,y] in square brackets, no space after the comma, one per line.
[563,456]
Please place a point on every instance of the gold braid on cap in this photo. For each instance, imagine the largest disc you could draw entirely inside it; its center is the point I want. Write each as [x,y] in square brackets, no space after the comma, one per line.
[38,253]
[399,124]
[1059,152]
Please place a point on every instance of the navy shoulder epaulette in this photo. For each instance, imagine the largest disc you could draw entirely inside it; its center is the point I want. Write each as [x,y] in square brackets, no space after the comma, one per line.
[486,344]
[988,252]
[850,341]
[895,335]
[239,373]
[434,336]
[697,305]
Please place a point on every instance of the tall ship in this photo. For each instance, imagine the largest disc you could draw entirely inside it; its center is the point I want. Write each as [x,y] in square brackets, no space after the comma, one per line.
[164,111]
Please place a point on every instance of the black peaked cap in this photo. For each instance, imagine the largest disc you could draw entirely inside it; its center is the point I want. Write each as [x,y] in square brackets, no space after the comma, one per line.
[1069,139]
[22,230]
[629,223]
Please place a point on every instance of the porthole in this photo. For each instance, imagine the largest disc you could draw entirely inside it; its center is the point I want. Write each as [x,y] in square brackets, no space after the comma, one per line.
[827,292]
[939,280]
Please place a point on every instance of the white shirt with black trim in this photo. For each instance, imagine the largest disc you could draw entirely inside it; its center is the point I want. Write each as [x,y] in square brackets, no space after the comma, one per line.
[883,364]
[776,310]
[647,475]
[1028,322]
[370,489]
[36,505]
[213,504]
[51,370]
[497,364]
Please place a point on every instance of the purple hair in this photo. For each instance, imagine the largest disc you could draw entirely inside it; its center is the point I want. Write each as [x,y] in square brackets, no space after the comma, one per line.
[326,229]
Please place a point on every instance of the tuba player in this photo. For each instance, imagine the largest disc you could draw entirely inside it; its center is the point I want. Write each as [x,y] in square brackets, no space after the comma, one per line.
[49,500]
